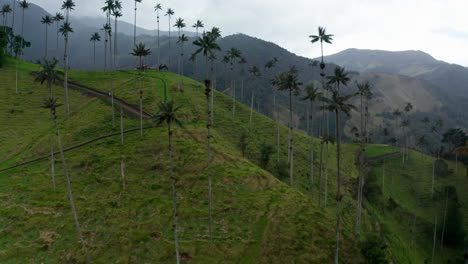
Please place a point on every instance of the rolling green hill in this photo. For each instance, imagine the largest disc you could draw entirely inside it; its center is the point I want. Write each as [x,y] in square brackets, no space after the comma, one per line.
[258,218]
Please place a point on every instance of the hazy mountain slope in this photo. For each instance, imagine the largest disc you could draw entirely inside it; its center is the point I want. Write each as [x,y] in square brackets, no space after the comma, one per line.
[451,78]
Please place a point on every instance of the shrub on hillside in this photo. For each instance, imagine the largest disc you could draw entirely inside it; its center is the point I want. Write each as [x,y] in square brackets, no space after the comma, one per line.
[373,249]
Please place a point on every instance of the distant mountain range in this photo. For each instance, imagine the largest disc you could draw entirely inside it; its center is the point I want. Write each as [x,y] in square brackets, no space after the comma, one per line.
[436,89]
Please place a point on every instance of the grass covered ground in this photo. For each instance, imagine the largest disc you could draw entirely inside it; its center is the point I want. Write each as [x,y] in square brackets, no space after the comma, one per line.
[258,218]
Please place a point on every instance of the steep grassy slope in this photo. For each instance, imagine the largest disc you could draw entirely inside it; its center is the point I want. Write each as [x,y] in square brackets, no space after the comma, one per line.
[258,219]
[409,185]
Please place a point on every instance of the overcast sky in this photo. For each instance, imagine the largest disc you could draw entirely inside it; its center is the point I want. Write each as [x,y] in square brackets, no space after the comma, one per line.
[438,27]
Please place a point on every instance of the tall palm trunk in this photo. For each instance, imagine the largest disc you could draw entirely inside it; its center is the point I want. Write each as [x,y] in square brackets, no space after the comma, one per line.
[443,225]
[383,177]
[121,126]
[46,41]
[251,108]
[141,107]
[174,196]
[116,57]
[291,157]
[179,62]
[134,25]
[169,52]
[435,240]
[57,38]
[311,133]
[65,79]
[13,18]
[339,196]
[52,165]
[111,78]
[208,91]
[159,46]
[361,169]
[69,188]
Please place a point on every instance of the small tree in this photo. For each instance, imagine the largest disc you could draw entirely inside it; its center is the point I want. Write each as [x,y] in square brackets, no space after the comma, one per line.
[265,152]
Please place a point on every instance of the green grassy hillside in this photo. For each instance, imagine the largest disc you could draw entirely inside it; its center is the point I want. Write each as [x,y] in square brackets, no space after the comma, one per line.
[409,184]
[258,218]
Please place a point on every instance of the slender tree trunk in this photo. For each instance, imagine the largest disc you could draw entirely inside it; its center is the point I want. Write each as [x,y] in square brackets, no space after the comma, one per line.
[57,39]
[233,100]
[321,174]
[361,169]
[413,230]
[65,79]
[121,126]
[69,189]
[169,52]
[134,25]
[251,109]
[159,46]
[442,236]
[435,240]
[116,59]
[179,62]
[174,196]
[141,109]
[278,139]
[52,166]
[326,174]
[433,177]
[383,177]
[46,41]
[122,172]
[311,133]
[94,54]
[13,18]
[291,157]
[111,79]
[208,88]
[339,196]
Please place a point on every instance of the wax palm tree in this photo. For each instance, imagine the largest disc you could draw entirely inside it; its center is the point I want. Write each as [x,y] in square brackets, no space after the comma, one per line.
[169,13]
[66,29]
[199,24]
[51,103]
[207,46]
[363,92]
[158,8]
[255,71]
[180,24]
[57,19]
[312,95]
[408,107]
[105,28]
[23,5]
[183,38]
[116,12]
[268,66]
[135,24]
[141,52]
[95,38]
[13,18]
[322,37]
[47,21]
[289,81]
[17,45]
[324,140]
[338,104]
[48,74]
[6,9]
[232,55]
[168,114]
